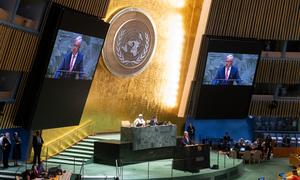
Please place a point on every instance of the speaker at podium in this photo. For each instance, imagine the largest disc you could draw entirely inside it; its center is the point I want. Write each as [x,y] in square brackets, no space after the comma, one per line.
[191,158]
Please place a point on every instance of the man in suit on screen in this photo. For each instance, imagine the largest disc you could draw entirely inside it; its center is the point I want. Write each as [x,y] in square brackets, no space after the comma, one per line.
[228,74]
[72,65]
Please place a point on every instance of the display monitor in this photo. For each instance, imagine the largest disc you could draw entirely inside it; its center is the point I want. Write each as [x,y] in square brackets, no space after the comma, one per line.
[224,84]
[225,68]
[63,71]
[74,56]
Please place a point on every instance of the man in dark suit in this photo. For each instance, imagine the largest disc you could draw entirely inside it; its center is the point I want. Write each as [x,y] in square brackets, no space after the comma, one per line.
[72,65]
[228,74]
[226,142]
[191,130]
[186,140]
[6,145]
[37,144]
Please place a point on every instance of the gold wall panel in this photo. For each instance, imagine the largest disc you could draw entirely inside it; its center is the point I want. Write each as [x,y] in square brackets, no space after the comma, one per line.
[157,90]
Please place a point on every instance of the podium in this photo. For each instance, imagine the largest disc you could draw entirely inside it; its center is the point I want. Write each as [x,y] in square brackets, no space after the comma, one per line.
[191,158]
[66,74]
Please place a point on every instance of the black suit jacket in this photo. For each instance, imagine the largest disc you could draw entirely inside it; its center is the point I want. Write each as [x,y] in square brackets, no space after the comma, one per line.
[35,143]
[6,145]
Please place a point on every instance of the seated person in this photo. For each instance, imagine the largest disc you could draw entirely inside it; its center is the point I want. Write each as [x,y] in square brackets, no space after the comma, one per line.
[40,168]
[185,141]
[153,121]
[34,172]
[26,174]
[247,145]
[139,121]
[294,175]
[286,142]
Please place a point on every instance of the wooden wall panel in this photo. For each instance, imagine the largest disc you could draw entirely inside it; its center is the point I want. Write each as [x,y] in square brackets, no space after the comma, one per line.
[267,19]
[17,51]
[286,107]
[18,48]
[278,70]
[92,7]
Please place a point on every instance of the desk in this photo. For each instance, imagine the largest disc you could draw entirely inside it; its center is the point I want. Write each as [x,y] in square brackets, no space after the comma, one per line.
[149,137]
[285,151]
[108,151]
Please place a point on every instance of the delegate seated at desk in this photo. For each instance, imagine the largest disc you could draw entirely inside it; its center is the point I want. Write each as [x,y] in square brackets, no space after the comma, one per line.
[154,121]
[139,121]
[185,141]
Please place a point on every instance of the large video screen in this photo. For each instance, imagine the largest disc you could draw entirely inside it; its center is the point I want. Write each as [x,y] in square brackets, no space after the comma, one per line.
[63,71]
[74,56]
[230,68]
[224,87]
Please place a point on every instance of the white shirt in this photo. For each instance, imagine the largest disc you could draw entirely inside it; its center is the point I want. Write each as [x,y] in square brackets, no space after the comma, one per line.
[139,121]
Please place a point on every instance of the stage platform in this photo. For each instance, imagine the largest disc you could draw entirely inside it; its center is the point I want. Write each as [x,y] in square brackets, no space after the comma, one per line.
[160,169]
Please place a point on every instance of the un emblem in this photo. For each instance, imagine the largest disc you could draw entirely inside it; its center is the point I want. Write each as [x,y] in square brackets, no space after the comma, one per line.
[130,42]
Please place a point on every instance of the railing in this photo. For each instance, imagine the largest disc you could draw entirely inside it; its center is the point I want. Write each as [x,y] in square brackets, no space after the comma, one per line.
[59,144]
[151,169]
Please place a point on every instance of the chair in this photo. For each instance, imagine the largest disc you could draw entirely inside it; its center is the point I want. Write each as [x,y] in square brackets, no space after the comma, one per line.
[125,124]
[256,156]
[279,139]
[247,156]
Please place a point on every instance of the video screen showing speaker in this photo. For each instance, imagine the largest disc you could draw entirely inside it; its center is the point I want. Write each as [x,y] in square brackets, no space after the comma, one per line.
[74,56]
[228,78]
[225,68]
[63,70]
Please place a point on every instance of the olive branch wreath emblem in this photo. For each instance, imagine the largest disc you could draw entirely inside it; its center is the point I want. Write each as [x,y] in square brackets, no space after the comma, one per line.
[140,57]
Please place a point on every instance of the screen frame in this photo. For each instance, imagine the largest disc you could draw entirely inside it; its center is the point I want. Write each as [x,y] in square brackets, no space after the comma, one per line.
[96,60]
[222,48]
[59,17]
[202,101]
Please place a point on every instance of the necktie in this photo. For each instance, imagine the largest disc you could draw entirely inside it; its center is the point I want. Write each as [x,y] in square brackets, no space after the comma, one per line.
[226,73]
[72,62]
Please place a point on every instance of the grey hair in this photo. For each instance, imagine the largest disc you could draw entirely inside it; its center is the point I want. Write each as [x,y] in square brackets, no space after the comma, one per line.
[230,56]
[78,38]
